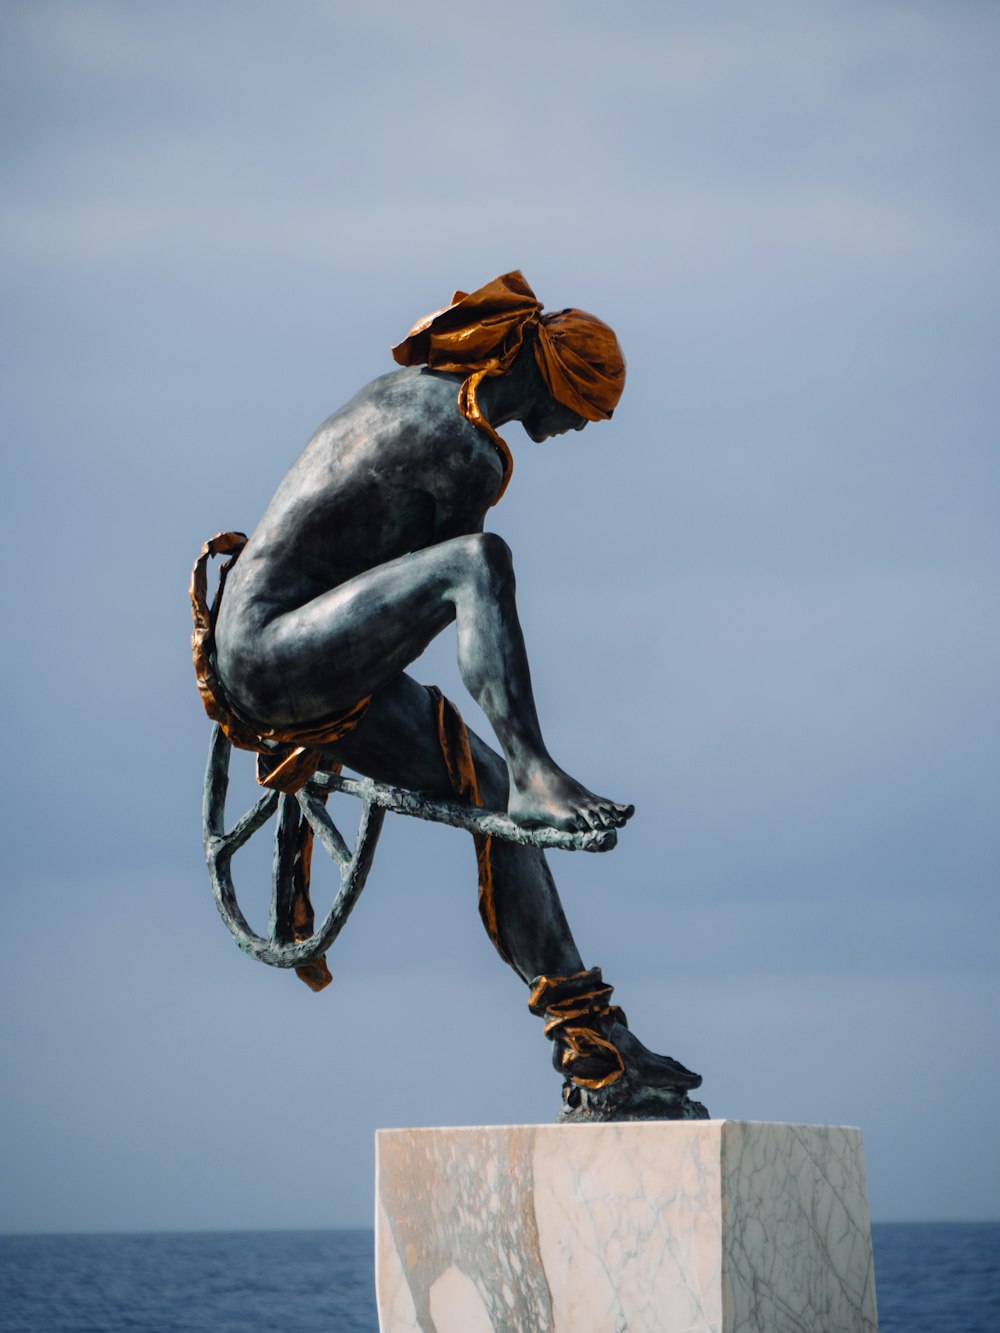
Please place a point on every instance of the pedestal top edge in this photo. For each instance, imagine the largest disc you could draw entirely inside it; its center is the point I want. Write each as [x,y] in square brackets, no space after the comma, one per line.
[632,1126]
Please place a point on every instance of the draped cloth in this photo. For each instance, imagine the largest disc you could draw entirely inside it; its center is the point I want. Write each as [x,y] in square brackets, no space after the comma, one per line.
[573,1007]
[453,738]
[481,334]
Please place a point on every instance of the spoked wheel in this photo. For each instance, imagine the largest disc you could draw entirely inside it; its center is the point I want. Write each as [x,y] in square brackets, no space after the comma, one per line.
[281,948]
[284,946]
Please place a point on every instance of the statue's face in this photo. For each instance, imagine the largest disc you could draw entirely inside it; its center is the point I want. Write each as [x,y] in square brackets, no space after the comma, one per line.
[551,418]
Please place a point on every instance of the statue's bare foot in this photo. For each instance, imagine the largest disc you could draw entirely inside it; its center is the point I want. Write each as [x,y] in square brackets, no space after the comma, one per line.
[651,1087]
[548,797]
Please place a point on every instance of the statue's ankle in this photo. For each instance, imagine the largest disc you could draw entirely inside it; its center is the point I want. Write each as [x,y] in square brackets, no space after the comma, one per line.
[607,1072]
[579,1021]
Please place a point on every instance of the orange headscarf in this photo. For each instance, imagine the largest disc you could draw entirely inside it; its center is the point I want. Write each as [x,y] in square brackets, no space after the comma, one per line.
[480,335]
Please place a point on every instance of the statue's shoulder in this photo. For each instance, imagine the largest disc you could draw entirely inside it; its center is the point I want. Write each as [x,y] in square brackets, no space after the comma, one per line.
[402,419]
[415,389]
[415,403]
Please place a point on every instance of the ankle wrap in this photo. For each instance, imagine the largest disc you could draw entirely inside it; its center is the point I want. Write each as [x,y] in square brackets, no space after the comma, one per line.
[573,1007]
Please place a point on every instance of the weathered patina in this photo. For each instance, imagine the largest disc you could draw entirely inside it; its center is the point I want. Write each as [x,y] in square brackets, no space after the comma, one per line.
[373,545]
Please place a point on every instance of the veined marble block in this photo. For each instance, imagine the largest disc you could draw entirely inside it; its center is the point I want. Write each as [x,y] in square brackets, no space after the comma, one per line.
[698,1226]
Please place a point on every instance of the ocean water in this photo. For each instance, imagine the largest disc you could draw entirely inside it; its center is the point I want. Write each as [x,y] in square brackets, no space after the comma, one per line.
[189,1281]
[930,1277]
[937,1278]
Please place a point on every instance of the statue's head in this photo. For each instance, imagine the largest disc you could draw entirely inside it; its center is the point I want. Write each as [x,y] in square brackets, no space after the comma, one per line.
[483,334]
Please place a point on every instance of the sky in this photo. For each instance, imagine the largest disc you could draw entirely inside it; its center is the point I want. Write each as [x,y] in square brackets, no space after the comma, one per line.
[762,603]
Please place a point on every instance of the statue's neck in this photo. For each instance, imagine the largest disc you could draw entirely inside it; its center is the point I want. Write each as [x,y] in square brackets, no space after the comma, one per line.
[510,397]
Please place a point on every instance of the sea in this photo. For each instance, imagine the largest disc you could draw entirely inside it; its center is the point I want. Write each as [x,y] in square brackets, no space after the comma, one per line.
[930,1278]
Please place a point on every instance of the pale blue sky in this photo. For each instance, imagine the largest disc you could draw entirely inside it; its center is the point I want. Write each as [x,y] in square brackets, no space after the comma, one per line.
[762,602]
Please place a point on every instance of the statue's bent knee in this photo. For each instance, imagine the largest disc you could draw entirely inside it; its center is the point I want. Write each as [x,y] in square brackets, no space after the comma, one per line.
[490,561]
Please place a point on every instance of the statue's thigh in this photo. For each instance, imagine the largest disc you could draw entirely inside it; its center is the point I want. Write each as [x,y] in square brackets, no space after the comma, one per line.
[398,743]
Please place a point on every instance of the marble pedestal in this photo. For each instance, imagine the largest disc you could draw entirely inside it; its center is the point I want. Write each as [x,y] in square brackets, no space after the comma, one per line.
[711,1226]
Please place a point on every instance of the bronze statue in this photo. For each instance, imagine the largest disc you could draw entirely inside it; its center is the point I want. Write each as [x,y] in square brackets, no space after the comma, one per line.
[372,545]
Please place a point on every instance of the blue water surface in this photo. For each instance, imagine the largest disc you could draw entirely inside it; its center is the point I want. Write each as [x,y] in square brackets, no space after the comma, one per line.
[186,1282]
[930,1278]
[933,1277]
